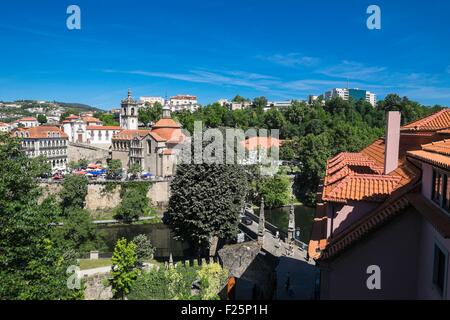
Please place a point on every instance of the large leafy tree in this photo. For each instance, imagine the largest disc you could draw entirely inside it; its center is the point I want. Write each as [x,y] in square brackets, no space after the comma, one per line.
[150,113]
[206,200]
[32,266]
[124,268]
[73,193]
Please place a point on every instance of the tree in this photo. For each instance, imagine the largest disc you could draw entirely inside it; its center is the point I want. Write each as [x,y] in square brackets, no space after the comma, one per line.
[275,191]
[205,202]
[106,118]
[212,279]
[313,154]
[73,193]
[260,102]
[239,99]
[134,201]
[144,248]
[42,119]
[135,169]
[32,266]
[79,232]
[150,113]
[114,168]
[124,268]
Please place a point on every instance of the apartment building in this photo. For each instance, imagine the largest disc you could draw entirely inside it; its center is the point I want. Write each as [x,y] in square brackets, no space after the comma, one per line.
[183,102]
[355,94]
[48,141]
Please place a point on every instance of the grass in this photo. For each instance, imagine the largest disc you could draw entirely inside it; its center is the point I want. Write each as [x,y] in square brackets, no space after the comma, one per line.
[92,264]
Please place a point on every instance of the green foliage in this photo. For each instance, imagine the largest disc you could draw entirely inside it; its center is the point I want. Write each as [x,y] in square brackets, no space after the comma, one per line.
[115,168]
[144,248]
[205,202]
[275,191]
[79,232]
[176,283]
[150,113]
[124,268]
[135,169]
[42,119]
[32,266]
[73,193]
[106,118]
[135,202]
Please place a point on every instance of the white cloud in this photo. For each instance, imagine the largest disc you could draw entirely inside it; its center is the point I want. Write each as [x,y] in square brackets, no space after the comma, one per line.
[354,70]
[291,60]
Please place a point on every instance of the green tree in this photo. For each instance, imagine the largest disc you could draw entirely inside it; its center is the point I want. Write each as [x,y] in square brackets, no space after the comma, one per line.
[124,268]
[79,232]
[135,202]
[135,169]
[205,202]
[32,266]
[144,248]
[42,119]
[73,193]
[150,113]
[275,191]
[260,102]
[115,168]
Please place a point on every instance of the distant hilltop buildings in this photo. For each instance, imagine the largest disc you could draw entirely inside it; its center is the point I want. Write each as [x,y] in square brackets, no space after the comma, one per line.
[175,103]
[355,94]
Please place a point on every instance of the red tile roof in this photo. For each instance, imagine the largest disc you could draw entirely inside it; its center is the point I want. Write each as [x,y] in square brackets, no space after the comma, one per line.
[116,128]
[40,132]
[131,134]
[253,143]
[437,121]
[26,119]
[436,153]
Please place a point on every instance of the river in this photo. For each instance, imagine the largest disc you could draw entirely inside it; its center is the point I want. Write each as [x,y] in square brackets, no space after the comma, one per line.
[162,238]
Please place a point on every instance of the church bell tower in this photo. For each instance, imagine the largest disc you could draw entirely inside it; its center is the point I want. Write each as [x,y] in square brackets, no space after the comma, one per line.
[129,113]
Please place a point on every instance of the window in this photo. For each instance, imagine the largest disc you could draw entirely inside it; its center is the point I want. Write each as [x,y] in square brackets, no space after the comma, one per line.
[440,193]
[440,270]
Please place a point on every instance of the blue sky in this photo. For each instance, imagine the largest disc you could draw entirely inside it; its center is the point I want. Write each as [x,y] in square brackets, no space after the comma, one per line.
[216,49]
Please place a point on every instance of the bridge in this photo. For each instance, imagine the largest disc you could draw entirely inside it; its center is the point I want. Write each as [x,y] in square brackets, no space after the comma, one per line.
[279,245]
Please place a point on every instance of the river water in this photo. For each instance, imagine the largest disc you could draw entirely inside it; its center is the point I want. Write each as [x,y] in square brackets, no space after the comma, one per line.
[162,238]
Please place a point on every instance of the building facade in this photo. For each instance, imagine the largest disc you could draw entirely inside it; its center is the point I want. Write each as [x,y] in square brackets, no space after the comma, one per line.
[152,100]
[48,141]
[29,122]
[129,113]
[355,94]
[183,102]
[153,150]
[385,210]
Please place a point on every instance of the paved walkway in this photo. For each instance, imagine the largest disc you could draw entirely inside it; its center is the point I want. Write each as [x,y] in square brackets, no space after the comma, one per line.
[103,270]
[296,275]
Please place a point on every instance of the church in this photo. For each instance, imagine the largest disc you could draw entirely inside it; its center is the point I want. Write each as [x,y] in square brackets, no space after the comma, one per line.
[152,149]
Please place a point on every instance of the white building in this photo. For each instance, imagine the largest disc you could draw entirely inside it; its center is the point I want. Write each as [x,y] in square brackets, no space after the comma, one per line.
[183,102]
[152,100]
[129,113]
[223,102]
[101,135]
[356,94]
[29,122]
[48,141]
[4,127]
[89,130]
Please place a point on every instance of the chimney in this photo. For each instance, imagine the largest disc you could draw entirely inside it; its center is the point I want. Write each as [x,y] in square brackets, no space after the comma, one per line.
[392,143]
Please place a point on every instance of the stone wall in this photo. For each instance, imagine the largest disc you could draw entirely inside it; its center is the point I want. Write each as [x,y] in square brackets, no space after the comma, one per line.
[99,200]
[97,288]
[78,151]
